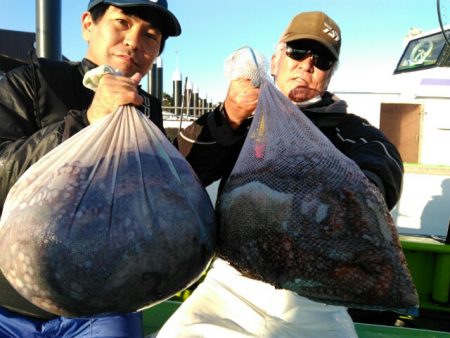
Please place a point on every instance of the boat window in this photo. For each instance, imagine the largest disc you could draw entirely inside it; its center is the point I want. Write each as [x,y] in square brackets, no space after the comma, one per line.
[423,53]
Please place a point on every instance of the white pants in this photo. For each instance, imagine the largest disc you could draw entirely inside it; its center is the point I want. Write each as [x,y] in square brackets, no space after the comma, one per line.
[230,305]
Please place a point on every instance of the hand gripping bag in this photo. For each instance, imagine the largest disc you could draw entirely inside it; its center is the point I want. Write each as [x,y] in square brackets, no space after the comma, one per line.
[112,220]
[298,214]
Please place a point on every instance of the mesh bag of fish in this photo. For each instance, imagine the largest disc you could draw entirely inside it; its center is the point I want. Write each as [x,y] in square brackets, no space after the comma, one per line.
[298,214]
[112,220]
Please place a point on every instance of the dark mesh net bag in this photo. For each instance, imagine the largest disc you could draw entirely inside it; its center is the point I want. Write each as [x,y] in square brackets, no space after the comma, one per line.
[298,214]
[112,220]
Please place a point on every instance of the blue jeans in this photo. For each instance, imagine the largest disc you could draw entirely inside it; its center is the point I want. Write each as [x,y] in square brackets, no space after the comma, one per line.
[13,325]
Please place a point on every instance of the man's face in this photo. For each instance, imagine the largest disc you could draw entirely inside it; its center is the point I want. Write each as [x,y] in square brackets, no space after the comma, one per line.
[300,80]
[124,42]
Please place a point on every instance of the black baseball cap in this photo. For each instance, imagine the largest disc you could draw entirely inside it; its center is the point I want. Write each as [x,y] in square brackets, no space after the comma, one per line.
[171,25]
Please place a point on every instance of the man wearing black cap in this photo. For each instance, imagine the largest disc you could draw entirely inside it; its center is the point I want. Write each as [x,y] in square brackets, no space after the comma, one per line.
[226,303]
[44,103]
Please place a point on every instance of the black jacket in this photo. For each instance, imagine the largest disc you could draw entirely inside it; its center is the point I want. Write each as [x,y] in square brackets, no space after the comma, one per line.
[41,105]
[212,147]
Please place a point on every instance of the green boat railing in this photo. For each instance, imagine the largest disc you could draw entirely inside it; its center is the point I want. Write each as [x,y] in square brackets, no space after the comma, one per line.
[429,263]
[157,315]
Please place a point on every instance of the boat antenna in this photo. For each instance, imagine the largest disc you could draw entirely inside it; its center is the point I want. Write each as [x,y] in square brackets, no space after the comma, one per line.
[443,11]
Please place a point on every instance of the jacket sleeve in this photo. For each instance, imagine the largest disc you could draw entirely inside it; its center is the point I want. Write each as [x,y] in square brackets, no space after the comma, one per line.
[23,139]
[377,157]
[211,146]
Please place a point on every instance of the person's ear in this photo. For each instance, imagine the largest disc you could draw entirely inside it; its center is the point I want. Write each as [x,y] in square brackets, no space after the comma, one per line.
[86,25]
[274,65]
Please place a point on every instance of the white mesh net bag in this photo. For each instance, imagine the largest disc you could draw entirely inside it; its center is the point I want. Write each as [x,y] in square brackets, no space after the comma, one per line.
[298,214]
[112,220]
[246,63]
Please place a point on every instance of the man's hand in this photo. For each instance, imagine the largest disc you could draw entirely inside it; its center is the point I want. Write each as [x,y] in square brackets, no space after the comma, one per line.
[114,91]
[241,101]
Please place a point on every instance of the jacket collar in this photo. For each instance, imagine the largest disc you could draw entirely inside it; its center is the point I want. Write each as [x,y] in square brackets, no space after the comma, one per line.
[86,65]
[329,103]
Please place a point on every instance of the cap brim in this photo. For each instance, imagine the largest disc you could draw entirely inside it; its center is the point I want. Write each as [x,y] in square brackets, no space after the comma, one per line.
[294,37]
[171,25]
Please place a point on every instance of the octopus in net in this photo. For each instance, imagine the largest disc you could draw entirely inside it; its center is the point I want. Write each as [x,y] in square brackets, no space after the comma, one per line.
[332,246]
[117,236]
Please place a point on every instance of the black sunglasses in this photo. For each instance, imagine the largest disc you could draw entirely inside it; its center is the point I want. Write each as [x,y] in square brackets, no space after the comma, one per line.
[320,61]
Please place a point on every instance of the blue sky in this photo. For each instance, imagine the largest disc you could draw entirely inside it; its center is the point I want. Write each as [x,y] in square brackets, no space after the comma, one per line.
[372,34]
